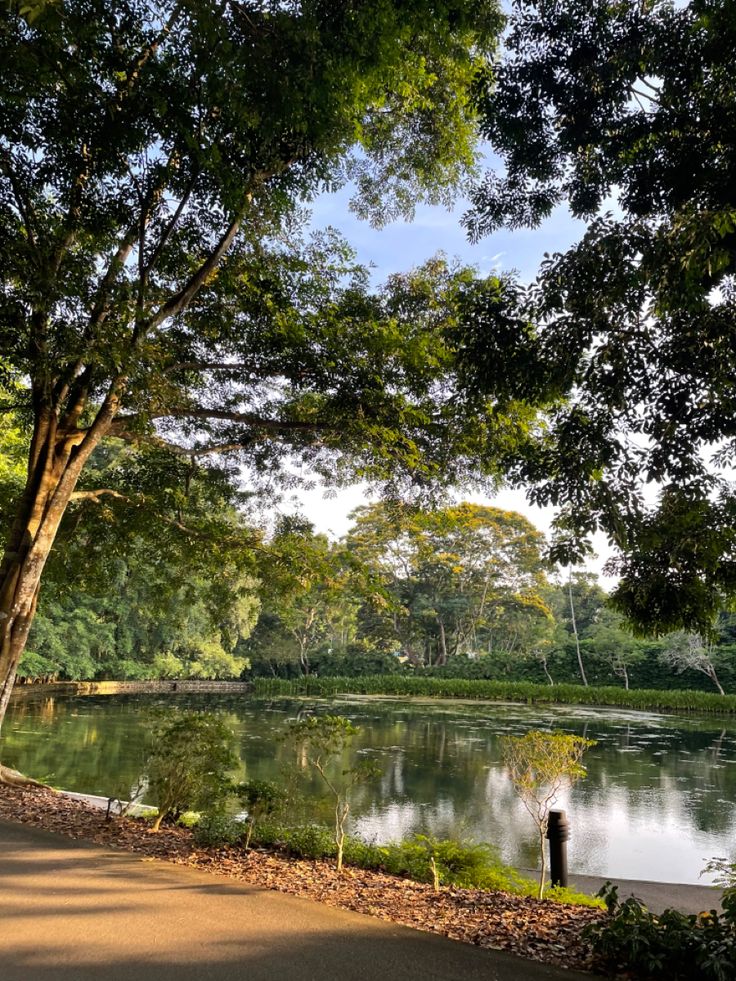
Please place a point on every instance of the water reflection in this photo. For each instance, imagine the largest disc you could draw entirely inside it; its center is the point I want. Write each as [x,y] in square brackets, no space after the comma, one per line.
[657,804]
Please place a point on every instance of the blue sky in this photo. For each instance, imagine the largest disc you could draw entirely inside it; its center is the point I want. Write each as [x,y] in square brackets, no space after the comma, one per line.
[402,245]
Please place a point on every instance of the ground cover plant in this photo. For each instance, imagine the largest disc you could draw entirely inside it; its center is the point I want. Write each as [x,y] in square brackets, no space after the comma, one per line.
[441,862]
[512,691]
[672,946]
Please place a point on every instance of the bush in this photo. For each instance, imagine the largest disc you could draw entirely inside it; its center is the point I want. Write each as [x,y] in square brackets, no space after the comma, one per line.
[672,946]
[187,768]
[216,829]
[309,841]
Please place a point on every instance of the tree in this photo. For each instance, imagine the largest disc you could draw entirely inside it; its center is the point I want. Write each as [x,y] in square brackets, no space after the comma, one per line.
[189,763]
[324,741]
[453,580]
[261,799]
[577,605]
[632,103]
[691,652]
[151,160]
[539,764]
[610,642]
[307,596]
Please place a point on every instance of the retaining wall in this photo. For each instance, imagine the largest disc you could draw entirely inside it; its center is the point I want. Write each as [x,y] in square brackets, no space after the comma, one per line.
[130,687]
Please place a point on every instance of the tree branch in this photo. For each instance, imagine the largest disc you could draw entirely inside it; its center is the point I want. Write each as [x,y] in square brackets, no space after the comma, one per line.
[178,449]
[23,205]
[121,423]
[168,231]
[95,495]
[134,70]
[209,366]
[181,300]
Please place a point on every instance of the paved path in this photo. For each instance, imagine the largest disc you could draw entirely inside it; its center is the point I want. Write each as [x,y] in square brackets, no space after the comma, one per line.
[657,896]
[70,911]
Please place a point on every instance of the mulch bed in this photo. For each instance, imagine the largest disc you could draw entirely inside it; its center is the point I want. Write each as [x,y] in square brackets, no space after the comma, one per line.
[543,931]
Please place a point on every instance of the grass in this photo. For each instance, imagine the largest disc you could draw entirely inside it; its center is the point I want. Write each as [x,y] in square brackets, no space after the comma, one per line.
[646,699]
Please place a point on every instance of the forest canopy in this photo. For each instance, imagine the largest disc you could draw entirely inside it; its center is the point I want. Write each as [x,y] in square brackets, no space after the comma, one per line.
[176,347]
[626,114]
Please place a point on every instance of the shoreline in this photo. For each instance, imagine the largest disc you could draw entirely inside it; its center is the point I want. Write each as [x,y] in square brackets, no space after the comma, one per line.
[258,690]
[540,930]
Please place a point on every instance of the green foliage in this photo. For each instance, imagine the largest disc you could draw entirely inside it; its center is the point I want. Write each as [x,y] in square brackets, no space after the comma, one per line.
[450,862]
[152,614]
[594,102]
[309,599]
[466,865]
[670,946]
[540,764]
[263,801]
[216,829]
[513,691]
[311,841]
[725,872]
[450,581]
[188,764]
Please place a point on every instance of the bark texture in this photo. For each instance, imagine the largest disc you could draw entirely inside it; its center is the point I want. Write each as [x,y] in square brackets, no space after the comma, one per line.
[58,453]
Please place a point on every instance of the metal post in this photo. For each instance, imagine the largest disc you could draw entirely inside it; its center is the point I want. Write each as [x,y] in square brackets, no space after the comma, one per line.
[558,831]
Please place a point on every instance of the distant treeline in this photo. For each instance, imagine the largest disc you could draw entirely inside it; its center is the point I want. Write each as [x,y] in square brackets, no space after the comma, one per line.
[461,592]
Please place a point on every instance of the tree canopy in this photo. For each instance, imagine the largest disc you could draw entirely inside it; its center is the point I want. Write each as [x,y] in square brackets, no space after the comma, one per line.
[152,162]
[456,580]
[626,113]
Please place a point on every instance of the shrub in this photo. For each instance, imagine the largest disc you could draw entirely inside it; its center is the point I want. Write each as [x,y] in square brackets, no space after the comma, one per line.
[262,800]
[215,829]
[672,947]
[187,768]
[312,841]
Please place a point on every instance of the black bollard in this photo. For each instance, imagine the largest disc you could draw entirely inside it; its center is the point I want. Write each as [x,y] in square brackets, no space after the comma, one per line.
[558,831]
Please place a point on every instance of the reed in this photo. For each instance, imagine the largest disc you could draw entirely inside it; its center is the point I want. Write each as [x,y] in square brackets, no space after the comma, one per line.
[646,699]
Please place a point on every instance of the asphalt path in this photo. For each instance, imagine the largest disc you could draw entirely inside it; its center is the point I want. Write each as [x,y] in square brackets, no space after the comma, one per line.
[71,911]
[656,896]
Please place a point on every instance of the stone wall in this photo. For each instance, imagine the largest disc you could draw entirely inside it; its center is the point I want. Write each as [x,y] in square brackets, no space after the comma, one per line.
[131,687]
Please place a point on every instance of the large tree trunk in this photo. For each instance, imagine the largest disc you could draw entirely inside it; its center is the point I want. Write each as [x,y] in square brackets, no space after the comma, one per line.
[57,455]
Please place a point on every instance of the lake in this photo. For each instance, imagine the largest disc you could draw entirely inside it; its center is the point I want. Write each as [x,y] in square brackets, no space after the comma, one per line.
[658,802]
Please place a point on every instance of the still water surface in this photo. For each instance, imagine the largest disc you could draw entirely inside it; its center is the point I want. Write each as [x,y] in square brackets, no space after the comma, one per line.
[658,802]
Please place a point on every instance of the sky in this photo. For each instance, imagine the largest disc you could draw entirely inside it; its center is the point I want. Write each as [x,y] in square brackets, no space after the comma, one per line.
[402,245]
